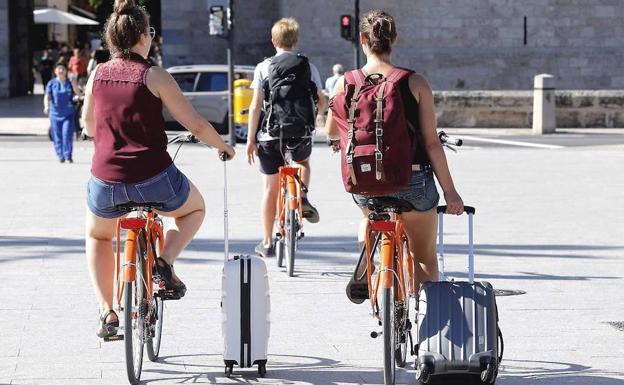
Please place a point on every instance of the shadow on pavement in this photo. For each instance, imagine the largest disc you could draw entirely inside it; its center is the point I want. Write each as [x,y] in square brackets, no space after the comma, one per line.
[281,369]
[555,373]
[532,251]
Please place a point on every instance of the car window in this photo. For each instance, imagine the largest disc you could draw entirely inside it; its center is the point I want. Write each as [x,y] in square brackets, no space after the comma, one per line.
[212,82]
[185,80]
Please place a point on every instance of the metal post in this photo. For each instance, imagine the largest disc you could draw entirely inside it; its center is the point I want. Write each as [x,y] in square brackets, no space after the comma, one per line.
[230,62]
[356,37]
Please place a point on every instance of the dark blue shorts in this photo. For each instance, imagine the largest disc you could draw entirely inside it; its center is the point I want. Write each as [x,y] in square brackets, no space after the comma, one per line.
[170,187]
[421,192]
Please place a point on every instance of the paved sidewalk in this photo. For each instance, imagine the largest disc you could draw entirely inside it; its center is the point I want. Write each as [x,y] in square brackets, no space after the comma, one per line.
[549,222]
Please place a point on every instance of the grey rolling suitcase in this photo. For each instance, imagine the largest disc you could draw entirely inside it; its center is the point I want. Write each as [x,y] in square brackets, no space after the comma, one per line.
[245,307]
[459,341]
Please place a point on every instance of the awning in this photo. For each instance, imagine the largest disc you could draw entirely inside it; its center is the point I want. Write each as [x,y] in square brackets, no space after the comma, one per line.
[55,16]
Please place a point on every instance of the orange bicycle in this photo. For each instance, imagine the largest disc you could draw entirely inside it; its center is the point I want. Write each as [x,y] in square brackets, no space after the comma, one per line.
[289,210]
[140,301]
[138,287]
[391,282]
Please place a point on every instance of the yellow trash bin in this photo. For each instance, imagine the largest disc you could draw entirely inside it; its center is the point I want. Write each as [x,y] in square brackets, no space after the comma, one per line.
[242,100]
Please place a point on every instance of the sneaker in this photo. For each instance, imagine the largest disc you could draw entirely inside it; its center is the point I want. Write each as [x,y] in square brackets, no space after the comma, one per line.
[309,212]
[70,160]
[62,160]
[264,251]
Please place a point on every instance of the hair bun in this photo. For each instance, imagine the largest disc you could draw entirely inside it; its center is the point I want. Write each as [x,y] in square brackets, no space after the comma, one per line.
[124,7]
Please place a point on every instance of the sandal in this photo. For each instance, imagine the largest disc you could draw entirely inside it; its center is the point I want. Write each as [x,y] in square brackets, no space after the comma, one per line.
[108,329]
[166,275]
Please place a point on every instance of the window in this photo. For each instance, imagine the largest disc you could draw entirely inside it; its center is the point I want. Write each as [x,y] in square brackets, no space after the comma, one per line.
[212,82]
[186,81]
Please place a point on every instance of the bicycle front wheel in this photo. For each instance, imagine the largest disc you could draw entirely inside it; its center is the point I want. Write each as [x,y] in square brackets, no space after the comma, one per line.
[291,241]
[134,325]
[389,336]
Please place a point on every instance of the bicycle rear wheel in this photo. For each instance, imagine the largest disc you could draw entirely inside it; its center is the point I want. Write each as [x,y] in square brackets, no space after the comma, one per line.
[389,336]
[156,322]
[291,240]
[402,322]
[135,308]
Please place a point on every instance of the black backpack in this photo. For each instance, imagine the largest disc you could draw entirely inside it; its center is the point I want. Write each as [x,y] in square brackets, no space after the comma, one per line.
[290,97]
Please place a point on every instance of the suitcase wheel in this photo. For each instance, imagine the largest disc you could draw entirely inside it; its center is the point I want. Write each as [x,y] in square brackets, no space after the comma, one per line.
[261,370]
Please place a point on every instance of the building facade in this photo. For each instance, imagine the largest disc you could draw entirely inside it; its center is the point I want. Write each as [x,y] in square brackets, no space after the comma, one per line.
[457,45]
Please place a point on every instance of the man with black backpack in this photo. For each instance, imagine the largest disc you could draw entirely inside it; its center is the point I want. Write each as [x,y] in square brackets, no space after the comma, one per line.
[287,95]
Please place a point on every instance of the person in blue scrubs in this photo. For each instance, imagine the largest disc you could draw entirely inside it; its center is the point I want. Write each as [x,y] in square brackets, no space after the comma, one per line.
[57,104]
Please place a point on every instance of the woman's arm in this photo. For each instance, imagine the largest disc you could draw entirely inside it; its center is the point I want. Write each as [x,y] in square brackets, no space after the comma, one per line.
[331,128]
[88,107]
[422,92]
[46,103]
[164,86]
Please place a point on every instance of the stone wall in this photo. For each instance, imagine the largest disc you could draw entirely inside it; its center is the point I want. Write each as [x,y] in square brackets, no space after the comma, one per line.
[514,109]
[4,49]
[476,45]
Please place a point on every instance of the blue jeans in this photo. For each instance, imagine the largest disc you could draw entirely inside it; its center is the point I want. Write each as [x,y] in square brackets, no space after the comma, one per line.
[63,135]
[170,188]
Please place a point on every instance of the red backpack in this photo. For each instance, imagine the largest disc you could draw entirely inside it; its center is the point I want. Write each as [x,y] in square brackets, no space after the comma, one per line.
[375,143]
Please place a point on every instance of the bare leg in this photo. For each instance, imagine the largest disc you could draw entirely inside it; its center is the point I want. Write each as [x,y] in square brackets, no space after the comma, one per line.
[269,203]
[421,230]
[188,220]
[305,172]
[100,258]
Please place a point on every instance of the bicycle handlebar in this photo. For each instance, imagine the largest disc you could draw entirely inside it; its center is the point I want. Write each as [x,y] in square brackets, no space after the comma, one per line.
[186,137]
[467,209]
[449,140]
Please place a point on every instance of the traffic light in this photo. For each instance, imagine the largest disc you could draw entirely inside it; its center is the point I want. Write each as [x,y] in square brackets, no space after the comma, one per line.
[346,27]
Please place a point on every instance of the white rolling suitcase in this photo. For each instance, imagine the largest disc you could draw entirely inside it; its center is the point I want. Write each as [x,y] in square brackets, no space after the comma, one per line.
[245,307]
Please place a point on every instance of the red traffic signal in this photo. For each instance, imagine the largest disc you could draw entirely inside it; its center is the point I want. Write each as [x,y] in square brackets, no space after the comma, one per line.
[346,27]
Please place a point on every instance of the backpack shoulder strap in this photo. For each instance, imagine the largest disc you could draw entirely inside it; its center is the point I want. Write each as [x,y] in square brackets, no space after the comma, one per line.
[397,74]
[355,77]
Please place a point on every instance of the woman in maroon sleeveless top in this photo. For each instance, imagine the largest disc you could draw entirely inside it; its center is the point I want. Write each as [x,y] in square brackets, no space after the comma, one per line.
[123,114]
[377,36]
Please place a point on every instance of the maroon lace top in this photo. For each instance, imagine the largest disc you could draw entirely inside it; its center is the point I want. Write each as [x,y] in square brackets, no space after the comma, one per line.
[130,139]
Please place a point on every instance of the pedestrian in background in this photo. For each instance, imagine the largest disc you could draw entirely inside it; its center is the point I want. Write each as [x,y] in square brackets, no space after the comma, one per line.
[46,65]
[58,105]
[330,83]
[77,67]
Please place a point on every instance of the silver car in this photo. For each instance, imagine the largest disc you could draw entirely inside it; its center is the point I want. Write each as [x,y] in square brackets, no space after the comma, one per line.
[205,86]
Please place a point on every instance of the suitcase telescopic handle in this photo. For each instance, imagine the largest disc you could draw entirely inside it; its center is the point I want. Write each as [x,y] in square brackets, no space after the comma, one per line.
[467,209]
[225,210]
[470,211]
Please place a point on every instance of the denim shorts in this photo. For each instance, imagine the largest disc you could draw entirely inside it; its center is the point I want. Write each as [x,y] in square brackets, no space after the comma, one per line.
[170,187]
[421,192]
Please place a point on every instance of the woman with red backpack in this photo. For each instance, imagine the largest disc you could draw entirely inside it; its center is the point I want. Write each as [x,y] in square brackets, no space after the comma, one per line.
[407,118]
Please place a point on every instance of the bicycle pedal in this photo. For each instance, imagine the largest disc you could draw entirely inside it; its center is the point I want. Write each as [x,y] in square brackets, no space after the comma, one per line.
[118,337]
[168,295]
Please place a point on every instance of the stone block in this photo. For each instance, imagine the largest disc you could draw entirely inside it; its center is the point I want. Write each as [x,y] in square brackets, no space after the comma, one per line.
[594,119]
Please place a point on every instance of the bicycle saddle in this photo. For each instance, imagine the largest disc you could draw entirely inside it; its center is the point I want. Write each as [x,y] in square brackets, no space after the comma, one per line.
[131,206]
[395,205]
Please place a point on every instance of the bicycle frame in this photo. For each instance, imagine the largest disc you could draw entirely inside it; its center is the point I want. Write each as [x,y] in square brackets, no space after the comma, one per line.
[148,223]
[288,185]
[391,260]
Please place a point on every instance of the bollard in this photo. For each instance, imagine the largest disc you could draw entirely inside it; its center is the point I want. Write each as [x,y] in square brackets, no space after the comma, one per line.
[544,121]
